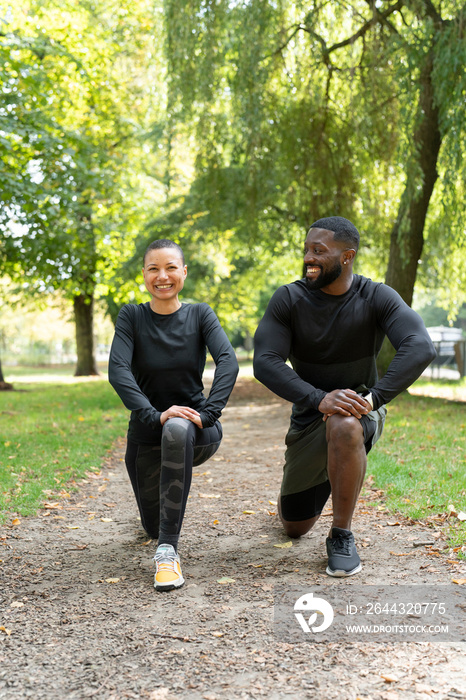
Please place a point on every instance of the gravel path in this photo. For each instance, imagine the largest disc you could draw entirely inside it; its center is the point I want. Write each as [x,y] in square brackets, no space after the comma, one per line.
[80,618]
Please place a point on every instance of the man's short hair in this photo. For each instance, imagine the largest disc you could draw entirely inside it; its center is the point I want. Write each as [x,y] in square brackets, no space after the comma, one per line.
[163,243]
[343,229]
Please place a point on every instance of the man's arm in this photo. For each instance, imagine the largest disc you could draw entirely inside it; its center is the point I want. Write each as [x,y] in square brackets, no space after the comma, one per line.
[272,345]
[408,335]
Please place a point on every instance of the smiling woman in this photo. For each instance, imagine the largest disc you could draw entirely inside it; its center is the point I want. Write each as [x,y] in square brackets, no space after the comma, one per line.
[164,274]
[156,365]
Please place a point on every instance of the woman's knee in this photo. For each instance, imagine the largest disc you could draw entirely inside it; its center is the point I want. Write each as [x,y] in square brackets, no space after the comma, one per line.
[177,431]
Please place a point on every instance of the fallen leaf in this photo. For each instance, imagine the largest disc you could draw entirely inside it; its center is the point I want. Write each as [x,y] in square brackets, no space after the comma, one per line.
[459,581]
[451,510]
[273,503]
[284,545]
[208,495]
[16,604]
[393,524]
[217,634]
[225,579]
[4,629]
[107,520]
[15,521]
[215,522]
[112,580]
[401,554]
[423,688]
[249,512]
[390,679]
[73,527]
[461,515]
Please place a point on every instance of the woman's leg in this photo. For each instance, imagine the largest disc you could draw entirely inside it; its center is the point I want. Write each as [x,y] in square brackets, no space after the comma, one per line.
[182,446]
[143,465]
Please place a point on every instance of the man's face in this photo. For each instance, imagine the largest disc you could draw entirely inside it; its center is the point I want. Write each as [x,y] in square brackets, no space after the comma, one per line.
[322,258]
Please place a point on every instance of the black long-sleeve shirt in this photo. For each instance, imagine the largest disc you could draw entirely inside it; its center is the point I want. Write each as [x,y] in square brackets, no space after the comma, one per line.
[157,361]
[332,342]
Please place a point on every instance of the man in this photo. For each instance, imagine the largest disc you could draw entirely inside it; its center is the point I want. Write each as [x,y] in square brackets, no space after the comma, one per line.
[330,326]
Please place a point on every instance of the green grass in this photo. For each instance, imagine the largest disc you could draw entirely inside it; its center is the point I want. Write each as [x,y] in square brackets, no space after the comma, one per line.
[420,461]
[50,436]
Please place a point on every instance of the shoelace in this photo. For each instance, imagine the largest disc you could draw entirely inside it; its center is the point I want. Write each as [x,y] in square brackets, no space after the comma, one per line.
[343,544]
[165,562]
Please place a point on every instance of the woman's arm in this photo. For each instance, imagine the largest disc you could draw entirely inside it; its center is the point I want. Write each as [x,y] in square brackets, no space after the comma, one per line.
[226,366]
[120,374]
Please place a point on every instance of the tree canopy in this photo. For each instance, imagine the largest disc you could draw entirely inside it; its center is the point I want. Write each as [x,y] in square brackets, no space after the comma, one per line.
[230,126]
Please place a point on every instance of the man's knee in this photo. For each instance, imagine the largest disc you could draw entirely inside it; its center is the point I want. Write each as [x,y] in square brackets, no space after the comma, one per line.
[345,430]
[296,528]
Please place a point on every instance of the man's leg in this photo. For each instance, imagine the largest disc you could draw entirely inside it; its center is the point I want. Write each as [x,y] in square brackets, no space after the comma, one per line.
[346,470]
[298,528]
[346,466]
[300,511]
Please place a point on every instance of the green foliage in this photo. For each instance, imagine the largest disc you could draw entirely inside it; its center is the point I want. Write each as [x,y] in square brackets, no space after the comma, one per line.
[229,126]
[74,113]
[52,435]
[292,112]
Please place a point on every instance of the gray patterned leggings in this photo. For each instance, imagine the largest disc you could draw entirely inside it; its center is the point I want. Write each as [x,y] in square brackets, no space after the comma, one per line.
[161,474]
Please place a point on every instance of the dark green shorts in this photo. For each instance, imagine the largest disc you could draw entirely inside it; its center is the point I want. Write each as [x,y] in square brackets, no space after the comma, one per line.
[306,451]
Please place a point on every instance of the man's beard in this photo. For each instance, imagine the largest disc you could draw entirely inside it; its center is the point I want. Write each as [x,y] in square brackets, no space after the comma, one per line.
[325,278]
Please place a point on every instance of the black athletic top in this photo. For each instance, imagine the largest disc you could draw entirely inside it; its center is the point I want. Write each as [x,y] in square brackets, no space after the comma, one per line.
[157,361]
[332,342]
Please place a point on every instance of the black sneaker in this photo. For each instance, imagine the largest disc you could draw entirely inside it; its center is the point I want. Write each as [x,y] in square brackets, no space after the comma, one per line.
[343,559]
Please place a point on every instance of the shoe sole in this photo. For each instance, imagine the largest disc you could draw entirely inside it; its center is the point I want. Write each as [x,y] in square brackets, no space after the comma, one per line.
[341,573]
[168,587]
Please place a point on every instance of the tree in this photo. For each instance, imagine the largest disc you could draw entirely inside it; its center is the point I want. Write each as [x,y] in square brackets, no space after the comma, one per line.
[298,110]
[75,192]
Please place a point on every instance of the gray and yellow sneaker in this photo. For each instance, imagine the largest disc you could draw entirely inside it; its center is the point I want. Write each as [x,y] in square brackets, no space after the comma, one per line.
[167,569]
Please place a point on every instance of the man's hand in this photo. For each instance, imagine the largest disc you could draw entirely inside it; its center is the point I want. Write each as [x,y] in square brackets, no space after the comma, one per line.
[181,412]
[346,402]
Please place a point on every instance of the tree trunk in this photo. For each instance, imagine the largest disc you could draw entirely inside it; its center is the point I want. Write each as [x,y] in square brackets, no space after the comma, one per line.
[407,236]
[4,386]
[83,315]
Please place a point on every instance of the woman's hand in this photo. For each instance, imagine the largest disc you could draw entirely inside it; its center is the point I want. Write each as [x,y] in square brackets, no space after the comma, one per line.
[181,412]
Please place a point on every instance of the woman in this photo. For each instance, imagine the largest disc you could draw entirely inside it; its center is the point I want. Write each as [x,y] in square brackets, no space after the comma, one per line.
[156,364]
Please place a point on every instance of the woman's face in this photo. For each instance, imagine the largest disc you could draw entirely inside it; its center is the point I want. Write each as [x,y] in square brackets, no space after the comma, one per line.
[164,273]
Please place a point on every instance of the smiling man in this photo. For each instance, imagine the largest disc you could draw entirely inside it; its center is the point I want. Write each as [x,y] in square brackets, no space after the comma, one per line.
[330,326]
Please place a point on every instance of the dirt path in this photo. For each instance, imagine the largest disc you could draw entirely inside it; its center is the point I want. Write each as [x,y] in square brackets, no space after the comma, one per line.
[80,619]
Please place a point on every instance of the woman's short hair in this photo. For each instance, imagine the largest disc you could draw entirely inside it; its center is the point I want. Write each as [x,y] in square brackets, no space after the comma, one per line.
[163,243]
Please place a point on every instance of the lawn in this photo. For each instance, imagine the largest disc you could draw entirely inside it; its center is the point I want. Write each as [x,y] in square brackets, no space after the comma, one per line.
[420,461]
[50,436]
